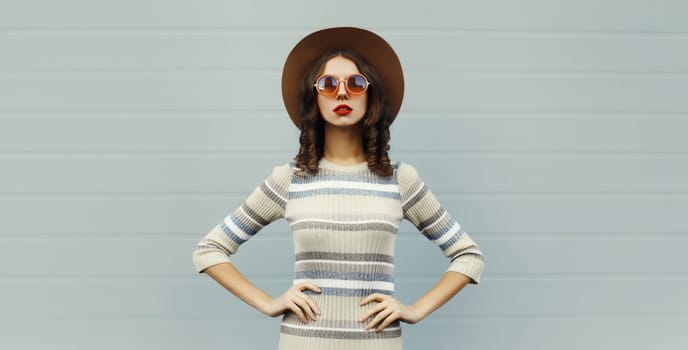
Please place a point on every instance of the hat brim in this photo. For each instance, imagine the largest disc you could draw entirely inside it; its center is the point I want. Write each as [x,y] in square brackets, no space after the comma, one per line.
[375,50]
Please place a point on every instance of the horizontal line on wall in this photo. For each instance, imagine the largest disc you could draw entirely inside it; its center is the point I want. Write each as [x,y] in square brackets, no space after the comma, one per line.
[286,236]
[149,110]
[279,114]
[531,32]
[300,31]
[139,72]
[650,276]
[147,154]
[445,194]
[193,277]
[484,317]
[628,316]
[253,72]
[641,114]
[435,153]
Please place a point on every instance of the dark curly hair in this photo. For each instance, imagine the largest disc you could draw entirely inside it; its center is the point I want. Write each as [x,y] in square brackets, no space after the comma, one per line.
[376,120]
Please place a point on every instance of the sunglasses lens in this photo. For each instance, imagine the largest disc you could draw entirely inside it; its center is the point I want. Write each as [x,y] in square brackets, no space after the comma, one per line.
[327,84]
[357,84]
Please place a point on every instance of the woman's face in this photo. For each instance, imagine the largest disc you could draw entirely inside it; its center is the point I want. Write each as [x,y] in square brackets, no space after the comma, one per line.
[342,109]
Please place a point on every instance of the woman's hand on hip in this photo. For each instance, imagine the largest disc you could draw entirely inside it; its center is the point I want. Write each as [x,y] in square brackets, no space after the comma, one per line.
[387,311]
[296,300]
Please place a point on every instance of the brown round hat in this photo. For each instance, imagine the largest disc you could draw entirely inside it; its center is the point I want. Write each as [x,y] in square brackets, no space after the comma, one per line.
[375,50]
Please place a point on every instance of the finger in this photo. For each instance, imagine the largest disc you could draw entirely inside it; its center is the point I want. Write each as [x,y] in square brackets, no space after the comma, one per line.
[391,318]
[297,310]
[311,303]
[304,306]
[378,319]
[374,310]
[372,297]
[309,286]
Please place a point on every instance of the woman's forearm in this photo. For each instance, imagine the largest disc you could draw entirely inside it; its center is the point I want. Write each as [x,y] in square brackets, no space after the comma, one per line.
[293,299]
[450,284]
[231,279]
[389,309]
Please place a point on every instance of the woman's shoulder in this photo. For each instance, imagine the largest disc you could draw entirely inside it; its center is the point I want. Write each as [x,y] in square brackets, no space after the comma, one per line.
[283,170]
[280,174]
[407,179]
[406,173]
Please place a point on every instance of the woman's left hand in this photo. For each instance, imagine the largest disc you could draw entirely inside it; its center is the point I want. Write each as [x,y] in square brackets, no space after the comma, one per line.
[387,311]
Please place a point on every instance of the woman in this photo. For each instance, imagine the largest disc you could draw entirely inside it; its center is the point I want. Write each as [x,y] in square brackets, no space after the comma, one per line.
[344,200]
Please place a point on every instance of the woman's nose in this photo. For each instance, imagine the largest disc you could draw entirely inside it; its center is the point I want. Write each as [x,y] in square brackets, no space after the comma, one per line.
[341,90]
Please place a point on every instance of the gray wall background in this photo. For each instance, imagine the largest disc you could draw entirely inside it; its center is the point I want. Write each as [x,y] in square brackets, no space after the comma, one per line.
[554,131]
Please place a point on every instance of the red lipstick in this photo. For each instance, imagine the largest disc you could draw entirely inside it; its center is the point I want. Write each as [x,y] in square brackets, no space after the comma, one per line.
[343,109]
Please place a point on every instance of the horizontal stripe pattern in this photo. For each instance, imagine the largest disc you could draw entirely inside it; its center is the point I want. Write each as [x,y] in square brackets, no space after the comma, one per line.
[265,204]
[336,329]
[344,266]
[343,191]
[350,287]
[328,176]
[250,217]
[343,183]
[363,216]
[236,229]
[344,226]
[344,221]
[422,209]
[346,274]
[254,216]
[348,291]
[269,191]
[417,194]
[343,257]
[355,276]
[328,182]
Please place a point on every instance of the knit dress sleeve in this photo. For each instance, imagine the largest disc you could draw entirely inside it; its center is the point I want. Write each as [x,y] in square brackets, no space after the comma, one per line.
[422,209]
[265,205]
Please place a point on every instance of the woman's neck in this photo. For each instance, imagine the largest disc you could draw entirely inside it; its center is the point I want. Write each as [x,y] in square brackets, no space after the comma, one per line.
[344,145]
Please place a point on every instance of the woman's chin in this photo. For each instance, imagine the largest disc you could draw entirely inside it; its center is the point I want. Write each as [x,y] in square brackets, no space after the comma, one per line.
[342,120]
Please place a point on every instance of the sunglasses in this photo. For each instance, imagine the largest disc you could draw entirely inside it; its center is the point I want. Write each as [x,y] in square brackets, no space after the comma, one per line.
[328,85]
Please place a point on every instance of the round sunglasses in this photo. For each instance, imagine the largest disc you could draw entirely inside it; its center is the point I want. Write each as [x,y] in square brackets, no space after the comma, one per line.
[328,85]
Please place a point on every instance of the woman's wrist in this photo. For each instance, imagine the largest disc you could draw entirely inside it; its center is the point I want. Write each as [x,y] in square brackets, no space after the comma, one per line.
[416,313]
[266,306]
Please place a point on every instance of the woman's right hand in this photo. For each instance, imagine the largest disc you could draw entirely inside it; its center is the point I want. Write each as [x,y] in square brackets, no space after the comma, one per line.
[296,300]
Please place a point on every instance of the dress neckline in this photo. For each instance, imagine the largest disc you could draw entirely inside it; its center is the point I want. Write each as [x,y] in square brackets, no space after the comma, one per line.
[341,167]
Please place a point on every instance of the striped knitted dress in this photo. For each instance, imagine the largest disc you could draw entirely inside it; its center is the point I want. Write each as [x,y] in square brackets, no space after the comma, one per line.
[344,222]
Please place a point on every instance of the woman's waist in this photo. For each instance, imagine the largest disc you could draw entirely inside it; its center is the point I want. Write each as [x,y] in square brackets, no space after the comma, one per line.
[339,318]
[347,286]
